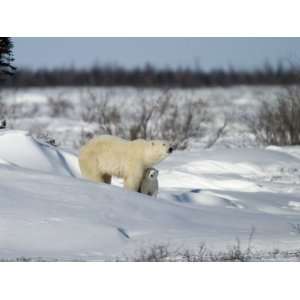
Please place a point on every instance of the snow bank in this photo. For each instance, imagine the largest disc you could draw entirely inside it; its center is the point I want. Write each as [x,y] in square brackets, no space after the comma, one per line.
[205,196]
[20,149]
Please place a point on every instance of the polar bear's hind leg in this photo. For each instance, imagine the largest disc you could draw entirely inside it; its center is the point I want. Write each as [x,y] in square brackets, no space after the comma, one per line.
[133,183]
[106,178]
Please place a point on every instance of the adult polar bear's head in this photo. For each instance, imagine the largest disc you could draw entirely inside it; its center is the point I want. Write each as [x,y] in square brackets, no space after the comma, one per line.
[155,151]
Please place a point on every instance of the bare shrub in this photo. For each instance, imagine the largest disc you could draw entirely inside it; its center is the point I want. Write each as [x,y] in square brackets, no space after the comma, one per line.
[164,253]
[3,124]
[143,117]
[83,137]
[20,110]
[47,138]
[40,133]
[15,110]
[183,123]
[198,255]
[59,107]
[235,253]
[27,259]
[278,123]
[157,117]
[97,109]
[165,118]
[7,110]
[218,134]
[155,253]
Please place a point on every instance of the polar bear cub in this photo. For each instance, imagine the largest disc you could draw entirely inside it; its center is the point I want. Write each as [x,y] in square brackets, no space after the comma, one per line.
[149,184]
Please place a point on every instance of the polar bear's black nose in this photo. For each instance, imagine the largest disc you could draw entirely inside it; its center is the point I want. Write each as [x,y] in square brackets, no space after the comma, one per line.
[170,150]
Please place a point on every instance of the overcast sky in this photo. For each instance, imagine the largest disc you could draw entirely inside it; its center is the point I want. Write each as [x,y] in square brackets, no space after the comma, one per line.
[161,52]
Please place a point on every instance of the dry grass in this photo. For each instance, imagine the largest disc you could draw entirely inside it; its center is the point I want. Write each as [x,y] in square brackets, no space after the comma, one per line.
[278,123]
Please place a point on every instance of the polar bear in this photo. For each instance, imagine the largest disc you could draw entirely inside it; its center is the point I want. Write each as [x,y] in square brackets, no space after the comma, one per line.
[149,185]
[106,156]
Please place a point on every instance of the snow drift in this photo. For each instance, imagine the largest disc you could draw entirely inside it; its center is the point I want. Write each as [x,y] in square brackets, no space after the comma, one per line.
[48,211]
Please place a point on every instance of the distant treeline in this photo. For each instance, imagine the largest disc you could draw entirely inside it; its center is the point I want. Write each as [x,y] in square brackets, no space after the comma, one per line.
[149,76]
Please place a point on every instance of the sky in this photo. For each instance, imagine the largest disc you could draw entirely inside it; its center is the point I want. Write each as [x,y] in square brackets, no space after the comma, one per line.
[207,53]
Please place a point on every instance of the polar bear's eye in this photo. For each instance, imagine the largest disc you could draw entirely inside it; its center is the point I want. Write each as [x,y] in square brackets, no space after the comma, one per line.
[164,144]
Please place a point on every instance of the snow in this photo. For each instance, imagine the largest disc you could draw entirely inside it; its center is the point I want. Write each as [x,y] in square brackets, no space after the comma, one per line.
[21,149]
[212,196]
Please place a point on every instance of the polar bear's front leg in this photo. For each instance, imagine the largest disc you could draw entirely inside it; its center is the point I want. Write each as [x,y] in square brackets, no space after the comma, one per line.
[133,182]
